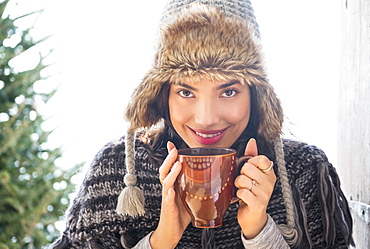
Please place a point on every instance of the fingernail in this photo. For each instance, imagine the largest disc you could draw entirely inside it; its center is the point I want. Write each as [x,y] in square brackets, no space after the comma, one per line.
[168,146]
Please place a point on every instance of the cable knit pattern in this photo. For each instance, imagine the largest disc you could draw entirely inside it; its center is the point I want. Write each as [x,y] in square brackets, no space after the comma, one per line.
[92,221]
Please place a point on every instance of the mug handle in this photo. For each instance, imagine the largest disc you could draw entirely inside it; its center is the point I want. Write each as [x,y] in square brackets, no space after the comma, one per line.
[240,161]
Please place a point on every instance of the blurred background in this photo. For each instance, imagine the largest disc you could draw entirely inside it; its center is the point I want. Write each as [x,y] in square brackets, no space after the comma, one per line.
[98,51]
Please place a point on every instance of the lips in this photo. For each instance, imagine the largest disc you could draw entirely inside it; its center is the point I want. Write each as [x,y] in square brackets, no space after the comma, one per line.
[208,137]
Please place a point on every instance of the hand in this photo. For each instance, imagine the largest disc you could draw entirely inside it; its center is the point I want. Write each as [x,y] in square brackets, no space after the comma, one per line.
[255,190]
[174,218]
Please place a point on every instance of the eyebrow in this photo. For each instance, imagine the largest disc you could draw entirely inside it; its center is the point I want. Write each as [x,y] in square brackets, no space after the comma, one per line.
[223,86]
[186,86]
[226,85]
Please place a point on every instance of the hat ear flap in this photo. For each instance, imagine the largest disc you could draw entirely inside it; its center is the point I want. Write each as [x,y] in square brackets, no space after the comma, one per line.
[270,112]
[142,110]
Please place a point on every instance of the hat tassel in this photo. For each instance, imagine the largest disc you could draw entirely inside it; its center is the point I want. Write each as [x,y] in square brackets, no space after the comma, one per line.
[131,200]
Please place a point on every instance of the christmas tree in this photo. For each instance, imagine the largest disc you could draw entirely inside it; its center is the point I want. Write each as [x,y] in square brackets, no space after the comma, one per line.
[33,190]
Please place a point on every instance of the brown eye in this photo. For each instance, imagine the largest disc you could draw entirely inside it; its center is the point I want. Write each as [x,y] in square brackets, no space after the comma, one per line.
[229,93]
[185,93]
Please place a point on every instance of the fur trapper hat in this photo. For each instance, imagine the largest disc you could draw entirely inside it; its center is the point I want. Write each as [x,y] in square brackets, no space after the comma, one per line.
[219,40]
[201,41]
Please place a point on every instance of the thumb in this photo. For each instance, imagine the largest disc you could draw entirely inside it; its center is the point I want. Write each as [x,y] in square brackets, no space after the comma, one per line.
[251,148]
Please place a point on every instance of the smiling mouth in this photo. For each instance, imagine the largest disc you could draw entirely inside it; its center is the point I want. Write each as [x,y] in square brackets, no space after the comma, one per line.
[208,135]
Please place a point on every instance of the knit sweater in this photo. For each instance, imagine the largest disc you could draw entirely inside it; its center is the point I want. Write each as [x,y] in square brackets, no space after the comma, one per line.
[324,216]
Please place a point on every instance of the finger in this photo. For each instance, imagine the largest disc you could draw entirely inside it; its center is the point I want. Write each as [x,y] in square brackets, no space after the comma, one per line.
[259,162]
[254,194]
[265,181]
[243,181]
[251,171]
[170,146]
[263,164]
[266,170]
[168,163]
[168,204]
[172,176]
[246,196]
[170,198]
[254,203]
[251,148]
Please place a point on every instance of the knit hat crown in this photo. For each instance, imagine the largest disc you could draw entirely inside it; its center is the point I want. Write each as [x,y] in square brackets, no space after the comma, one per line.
[241,9]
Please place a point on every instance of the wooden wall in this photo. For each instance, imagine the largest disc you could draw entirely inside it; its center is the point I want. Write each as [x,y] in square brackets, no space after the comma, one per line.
[354,115]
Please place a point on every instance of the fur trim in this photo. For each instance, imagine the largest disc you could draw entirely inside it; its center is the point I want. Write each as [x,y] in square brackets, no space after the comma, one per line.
[203,42]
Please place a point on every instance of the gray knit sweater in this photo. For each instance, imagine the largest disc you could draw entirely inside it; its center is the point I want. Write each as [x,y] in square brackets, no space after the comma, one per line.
[92,222]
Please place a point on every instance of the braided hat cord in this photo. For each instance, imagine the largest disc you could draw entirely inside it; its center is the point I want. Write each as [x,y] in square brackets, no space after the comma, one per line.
[131,200]
[288,231]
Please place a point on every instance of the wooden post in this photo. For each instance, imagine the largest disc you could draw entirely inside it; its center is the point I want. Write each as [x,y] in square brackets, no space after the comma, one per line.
[354,115]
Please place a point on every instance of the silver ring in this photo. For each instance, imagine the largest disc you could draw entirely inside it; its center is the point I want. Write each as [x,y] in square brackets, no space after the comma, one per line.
[253,185]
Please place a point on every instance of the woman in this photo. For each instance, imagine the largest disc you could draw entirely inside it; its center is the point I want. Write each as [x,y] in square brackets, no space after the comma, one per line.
[208,88]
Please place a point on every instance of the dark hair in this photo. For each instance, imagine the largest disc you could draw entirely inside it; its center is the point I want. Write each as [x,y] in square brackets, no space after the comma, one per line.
[168,133]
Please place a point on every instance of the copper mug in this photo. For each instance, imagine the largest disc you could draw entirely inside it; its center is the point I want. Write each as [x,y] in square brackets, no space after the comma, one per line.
[206,183]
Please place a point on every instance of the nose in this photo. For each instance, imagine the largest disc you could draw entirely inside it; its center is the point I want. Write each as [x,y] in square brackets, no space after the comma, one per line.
[206,113]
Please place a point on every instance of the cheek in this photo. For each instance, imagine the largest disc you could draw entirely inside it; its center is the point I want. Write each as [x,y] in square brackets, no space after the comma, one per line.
[244,114]
[176,116]
[179,113]
[238,114]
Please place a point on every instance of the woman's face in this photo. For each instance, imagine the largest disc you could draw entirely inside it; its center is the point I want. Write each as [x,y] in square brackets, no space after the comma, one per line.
[208,113]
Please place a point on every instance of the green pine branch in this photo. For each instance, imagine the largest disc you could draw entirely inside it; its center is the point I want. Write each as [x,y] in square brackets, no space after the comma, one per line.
[29,201]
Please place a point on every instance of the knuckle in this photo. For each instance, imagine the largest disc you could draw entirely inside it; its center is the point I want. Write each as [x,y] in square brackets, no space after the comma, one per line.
[241,193]
[246,168]
[260,160]
[264,161]
[238,181]
[241,181]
